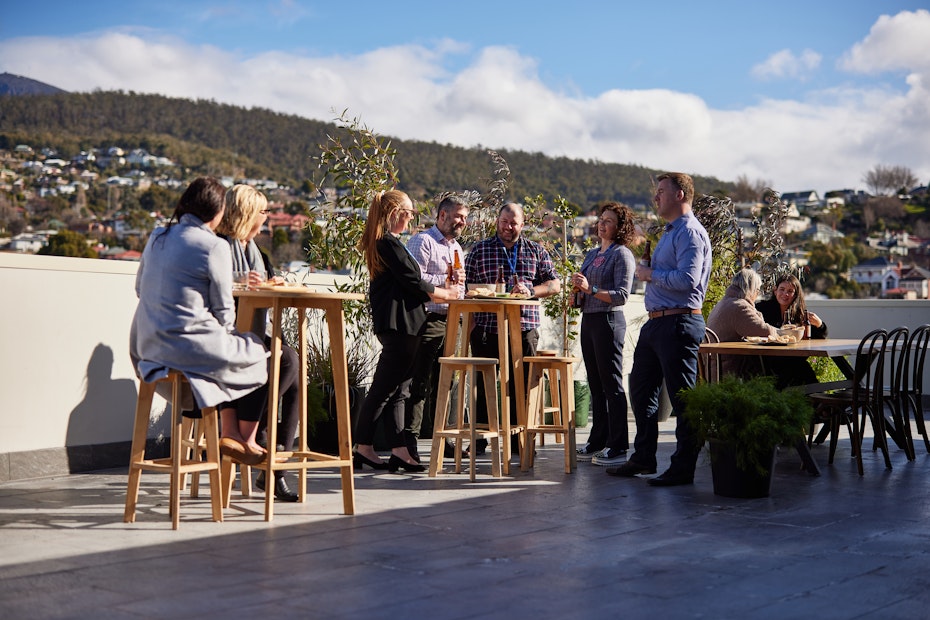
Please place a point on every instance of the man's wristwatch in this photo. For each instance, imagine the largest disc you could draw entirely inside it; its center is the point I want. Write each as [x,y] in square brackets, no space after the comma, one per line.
[594,290]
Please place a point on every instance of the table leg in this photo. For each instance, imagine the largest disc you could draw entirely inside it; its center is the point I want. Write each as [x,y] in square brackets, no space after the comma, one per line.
[506,377]
[517,375]
[271,424]
[335,318]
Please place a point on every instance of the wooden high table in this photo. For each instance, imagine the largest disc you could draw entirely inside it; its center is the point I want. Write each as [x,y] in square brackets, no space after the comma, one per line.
[835,348]
[507,310]
[276,299]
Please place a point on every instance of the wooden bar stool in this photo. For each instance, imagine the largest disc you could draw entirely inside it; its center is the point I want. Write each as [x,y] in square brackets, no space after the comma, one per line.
[177,464]
[468,366]
[562,410]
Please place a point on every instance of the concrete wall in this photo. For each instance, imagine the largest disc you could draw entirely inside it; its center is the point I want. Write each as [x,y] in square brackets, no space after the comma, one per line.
[68,388]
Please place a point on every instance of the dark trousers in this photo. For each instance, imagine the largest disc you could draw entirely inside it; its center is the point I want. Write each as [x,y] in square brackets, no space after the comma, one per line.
[484,344]
[389,389]
[289,393]
[425,373]
[667,348]
[602,336]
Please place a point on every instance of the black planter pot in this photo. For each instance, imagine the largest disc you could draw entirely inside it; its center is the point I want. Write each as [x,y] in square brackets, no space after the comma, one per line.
[730,481]
[325,434]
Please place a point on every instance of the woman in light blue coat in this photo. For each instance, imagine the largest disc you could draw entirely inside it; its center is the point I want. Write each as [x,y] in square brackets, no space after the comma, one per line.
[185,319]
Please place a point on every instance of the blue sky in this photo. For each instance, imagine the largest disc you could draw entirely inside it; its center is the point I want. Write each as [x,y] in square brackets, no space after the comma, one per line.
[803,95]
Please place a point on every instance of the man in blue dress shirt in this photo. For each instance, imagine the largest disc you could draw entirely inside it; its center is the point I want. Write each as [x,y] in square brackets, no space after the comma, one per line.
[668,342]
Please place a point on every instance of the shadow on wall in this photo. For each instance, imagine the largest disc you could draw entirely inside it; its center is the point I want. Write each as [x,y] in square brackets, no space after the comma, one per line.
[104,417]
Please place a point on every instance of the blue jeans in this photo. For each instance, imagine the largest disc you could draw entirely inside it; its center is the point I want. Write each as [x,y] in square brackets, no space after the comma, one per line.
[667,349]
[602,336]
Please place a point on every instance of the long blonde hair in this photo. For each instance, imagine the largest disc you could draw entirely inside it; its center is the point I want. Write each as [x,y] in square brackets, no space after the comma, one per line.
[383,212]
[244,203]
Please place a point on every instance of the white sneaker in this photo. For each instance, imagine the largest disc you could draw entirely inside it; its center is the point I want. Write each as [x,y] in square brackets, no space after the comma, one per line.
[608,457]
[586,453]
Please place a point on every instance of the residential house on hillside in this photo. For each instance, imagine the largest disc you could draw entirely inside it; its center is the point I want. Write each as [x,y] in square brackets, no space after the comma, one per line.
[879,273]
[899,243]
[808,199]
[822,233]
[284,220]
[916,279]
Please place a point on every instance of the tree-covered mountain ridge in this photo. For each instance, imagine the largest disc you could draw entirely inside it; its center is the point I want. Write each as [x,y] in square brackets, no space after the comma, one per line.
[221,139]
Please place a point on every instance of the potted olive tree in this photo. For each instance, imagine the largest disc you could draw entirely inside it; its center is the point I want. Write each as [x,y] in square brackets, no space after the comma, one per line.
[744,421]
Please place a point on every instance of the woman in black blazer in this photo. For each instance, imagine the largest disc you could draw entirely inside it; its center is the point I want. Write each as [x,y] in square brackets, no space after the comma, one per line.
[397,294]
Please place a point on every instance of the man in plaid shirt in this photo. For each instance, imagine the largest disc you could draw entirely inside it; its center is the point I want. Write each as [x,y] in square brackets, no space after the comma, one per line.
[528,270]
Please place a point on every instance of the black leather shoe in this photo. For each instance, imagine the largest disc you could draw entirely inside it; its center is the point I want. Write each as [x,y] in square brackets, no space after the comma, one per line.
[449,450]
[671,479]
[395,463]
[359,461]
[281,490]
[480,448]
[629,469]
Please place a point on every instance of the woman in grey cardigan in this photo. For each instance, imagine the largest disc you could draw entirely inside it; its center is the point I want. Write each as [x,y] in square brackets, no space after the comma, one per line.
[185,319]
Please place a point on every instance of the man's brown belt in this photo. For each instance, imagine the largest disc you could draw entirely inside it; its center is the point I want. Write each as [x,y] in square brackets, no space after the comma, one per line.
[672,311]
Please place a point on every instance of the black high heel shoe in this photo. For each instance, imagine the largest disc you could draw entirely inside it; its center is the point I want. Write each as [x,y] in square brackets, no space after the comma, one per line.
[359,461]
[395,463]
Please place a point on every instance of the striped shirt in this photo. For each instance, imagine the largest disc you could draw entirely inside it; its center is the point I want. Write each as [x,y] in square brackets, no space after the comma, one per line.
[434,253]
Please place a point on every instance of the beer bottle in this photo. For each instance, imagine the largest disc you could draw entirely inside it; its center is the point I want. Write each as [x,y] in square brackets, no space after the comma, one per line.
[457,262]
[501,285]
[451,277]
[646,258]
[806,322]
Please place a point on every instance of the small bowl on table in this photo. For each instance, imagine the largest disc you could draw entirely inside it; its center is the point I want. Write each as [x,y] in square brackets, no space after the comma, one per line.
[794,333]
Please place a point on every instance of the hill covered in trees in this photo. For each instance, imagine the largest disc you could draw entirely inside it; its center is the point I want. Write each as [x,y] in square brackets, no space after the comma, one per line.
[219,139]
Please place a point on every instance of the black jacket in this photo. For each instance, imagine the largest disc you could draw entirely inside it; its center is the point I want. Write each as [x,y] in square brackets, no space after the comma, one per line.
[398,293]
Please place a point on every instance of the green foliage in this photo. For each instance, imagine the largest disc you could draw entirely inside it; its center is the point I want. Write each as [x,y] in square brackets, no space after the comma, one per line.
[752,414]
[732,251]
[825,369]
[68,243]
[279,238]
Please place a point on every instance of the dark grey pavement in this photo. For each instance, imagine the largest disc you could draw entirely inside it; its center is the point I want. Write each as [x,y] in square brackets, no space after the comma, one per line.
[541,544]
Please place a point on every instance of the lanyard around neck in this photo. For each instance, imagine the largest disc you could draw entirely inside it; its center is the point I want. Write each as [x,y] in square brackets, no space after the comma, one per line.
[511,260]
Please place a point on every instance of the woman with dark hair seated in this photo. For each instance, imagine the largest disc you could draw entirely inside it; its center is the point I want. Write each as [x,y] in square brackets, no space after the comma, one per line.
[185,320]
[786,305]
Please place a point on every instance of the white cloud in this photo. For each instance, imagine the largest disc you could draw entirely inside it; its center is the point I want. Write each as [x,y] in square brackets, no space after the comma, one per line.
[784,64]
[828,140]
[894,43]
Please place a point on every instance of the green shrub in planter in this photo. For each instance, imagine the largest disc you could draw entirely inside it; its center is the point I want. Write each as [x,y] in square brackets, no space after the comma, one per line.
[752,414]
[582,403]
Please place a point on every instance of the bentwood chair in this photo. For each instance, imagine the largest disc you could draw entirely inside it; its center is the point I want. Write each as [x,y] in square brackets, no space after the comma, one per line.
[864,400]
[913,389]
[709,363]
[898,428]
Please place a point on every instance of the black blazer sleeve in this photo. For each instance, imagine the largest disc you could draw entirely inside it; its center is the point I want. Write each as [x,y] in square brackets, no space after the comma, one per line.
[398,293]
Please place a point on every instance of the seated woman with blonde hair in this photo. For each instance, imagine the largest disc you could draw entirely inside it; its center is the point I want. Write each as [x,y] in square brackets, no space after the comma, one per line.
[246,213]
[734,318]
